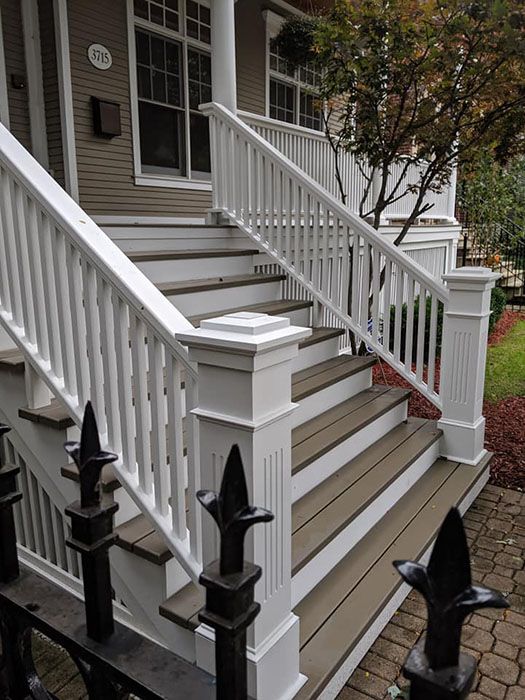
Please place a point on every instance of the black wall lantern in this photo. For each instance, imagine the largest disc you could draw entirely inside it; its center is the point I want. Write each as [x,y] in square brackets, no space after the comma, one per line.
[106,118]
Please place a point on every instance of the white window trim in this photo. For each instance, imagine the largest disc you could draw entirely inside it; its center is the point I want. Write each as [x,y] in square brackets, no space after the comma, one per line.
[142,178]
[274,22]
[4,101]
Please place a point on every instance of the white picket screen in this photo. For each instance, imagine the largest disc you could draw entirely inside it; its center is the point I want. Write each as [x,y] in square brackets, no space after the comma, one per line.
[311,151]
[94,327]
[358,277]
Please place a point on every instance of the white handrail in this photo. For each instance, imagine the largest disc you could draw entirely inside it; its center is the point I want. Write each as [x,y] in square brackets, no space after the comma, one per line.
[339,259]
[94,327]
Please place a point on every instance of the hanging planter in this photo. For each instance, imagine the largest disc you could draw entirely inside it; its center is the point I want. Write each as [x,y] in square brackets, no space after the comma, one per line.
[295,41]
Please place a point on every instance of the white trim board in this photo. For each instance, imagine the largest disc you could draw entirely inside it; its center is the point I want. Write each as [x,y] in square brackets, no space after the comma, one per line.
[4,101]
[115,220]
[65,90]
[35,85]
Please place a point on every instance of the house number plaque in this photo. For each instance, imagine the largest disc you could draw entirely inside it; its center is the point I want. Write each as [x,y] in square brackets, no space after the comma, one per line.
[99,56]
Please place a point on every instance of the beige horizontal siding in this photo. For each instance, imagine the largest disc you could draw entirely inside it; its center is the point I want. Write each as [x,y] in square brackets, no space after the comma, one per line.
[250,37]
[105,166]
[15,65]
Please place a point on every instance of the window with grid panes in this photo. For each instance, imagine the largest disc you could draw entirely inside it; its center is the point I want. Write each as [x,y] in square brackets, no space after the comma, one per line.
[173,79]
[293,92]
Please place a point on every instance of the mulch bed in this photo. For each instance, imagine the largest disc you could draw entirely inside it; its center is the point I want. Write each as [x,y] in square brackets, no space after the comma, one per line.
[505,419]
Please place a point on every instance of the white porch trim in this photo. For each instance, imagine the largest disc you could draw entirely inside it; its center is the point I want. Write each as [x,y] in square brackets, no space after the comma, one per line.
[35,85]
[66,98]
[4,101]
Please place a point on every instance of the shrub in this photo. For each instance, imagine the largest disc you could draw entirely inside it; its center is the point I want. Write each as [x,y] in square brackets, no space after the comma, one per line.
[428,310]
[498,301]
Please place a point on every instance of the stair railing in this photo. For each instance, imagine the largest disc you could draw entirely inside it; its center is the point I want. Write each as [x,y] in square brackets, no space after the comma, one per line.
[356,275]
[94,327]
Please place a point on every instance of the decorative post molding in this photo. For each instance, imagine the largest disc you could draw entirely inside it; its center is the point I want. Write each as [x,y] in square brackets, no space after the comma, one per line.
[223,68]
[245,365]
[463,358]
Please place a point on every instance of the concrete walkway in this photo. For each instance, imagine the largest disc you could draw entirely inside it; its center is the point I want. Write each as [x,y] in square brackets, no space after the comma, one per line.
[495,527]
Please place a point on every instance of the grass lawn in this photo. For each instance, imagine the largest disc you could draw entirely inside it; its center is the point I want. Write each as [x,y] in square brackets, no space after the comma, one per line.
[506,365]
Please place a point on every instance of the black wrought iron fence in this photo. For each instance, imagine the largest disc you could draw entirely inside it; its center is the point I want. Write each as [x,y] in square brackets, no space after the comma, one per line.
[500,246]
[116,662]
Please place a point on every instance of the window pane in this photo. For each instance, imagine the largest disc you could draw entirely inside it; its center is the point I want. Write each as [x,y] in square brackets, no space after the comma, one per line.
[309,110]
[157,53]
[205,15]
[142,43]
[141,8]
[172,20]
[192,9]
[282,101]
[173,58]
[159,86]
[172,4]
[199,73]
[156,14]
[144,82]
[174,91]
[200,145]
[192,28]
[161,138]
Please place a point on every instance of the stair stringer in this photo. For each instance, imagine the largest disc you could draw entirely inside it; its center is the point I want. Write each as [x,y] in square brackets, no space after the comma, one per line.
[129,581]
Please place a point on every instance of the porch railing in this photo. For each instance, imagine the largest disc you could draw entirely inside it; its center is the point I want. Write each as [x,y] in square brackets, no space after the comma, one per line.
[93,326]
[360,279]
[311,151]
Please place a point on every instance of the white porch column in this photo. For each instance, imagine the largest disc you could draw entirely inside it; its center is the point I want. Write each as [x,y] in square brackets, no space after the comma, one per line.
[245,364]
[463,357]
[223,71]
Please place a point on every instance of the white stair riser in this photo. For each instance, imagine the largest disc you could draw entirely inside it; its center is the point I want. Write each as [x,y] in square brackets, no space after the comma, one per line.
[313,573]
[333,395]
[146,238]
[352,661]
[323,467]
[195,303]
[316,353]
[155,583]
[195,268]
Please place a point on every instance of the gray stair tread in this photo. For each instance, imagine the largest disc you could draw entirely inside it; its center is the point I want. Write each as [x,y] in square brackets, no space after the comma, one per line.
[319,376]
[320,334]
[273,308]
[12,359]
[337,613]
[144,256]
[324,432]
[108,479]
[211,283]
[183,607]
[360,482]
[54,415]
[133,531]
[153,548]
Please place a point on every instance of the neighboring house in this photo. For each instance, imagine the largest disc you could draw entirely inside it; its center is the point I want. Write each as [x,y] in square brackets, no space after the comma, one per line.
[167,123]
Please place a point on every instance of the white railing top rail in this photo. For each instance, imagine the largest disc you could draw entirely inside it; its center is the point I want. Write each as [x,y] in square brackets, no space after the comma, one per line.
[277,125]
[360,226]
[103,254]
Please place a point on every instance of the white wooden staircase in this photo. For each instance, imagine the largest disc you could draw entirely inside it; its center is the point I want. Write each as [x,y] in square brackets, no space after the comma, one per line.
[368,484]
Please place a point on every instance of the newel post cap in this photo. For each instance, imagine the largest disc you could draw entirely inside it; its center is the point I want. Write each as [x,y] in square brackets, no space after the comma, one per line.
[471,278]
[244,332]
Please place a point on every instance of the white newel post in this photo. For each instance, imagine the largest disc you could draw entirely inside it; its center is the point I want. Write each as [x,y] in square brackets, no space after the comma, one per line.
[244,366]
[223,70]
[463,358]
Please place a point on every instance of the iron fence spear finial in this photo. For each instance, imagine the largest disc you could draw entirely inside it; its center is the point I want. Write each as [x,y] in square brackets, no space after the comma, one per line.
[92,527]
[230,581]
[439,670]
